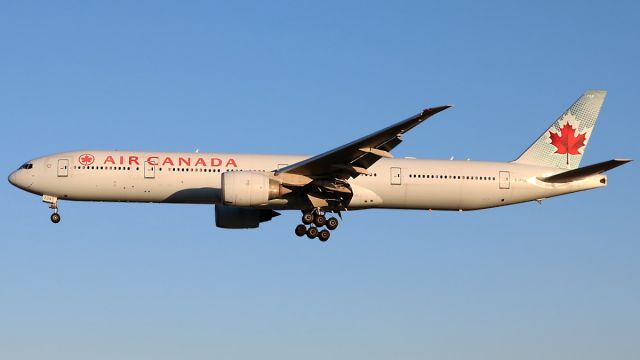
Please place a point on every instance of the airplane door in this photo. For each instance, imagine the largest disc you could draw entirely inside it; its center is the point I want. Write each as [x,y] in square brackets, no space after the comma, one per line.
[63,167]
[504,180]
[149,170]
[396,176]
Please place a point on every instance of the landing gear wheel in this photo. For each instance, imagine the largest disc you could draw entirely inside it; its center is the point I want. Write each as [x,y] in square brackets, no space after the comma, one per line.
[332,223]
[324,235]
[312,232]
[319,220]
[55,218]
[301,230]
[307,218]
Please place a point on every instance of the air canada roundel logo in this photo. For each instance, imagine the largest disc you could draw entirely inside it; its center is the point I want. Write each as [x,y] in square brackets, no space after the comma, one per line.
[86,159]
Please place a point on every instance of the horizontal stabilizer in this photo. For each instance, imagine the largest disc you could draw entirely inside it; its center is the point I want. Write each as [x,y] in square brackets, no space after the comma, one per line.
[584,172]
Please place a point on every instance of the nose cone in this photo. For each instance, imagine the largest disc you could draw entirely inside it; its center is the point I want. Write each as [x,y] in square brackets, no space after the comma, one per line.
[18,179]
[13,179]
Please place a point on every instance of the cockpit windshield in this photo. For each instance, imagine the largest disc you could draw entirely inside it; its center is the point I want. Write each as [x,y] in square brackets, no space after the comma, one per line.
[26,166]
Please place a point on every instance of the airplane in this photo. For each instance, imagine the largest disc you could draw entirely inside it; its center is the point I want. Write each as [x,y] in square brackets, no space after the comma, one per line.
[248,189]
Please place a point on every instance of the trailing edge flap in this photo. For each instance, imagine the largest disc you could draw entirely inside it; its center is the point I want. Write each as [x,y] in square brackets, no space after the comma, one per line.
[584,172]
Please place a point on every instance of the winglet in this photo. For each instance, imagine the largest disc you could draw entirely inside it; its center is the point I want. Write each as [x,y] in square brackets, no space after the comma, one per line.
[435,110]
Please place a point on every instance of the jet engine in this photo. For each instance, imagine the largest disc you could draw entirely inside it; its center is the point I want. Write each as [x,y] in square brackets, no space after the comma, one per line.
[229,217]
[248,189]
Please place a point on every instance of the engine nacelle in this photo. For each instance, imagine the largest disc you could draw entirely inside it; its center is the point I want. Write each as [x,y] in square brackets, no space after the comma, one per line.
[229,217]
[247,189]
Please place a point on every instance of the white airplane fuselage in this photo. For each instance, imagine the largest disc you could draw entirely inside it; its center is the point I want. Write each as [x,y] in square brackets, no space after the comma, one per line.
[195,178]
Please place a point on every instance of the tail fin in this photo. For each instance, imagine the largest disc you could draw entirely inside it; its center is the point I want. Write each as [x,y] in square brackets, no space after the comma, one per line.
[564,143]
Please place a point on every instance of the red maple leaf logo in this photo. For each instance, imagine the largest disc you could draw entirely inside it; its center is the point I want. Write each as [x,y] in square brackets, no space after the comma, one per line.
[566,141]
[86,159]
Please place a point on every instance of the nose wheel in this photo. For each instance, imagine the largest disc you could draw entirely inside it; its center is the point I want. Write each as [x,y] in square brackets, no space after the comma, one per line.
[312,223]
[55,218]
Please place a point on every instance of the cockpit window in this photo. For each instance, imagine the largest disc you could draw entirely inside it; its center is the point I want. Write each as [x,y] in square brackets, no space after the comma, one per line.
[26,166]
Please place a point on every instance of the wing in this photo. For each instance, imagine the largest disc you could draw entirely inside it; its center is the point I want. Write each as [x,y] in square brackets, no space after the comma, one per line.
[354,158]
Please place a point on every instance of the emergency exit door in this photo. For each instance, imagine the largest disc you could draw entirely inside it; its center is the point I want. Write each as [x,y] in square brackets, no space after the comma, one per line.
[504,180]
[396,176]
[149,170]
[63,167]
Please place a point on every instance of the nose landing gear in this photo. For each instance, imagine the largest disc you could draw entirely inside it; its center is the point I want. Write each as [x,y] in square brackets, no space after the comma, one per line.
[316,219]
[53,204]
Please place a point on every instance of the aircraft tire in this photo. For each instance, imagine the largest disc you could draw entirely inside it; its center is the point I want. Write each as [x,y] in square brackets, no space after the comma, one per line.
[320,220]
[332,223]
[324,235]
[55,218]
[312,232]
[307,218]
[301,230]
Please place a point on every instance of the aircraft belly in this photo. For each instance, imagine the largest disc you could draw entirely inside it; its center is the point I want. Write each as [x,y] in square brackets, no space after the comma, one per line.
[433,196]
[483,195]
[421,196]
[126,189]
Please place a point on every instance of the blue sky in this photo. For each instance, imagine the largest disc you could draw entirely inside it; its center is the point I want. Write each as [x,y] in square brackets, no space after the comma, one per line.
[132,281]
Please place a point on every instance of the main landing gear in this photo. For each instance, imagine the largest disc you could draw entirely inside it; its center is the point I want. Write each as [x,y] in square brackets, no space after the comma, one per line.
[315,220]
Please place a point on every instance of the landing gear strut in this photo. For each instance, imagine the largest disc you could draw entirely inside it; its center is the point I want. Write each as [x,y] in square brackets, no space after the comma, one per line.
[316,219]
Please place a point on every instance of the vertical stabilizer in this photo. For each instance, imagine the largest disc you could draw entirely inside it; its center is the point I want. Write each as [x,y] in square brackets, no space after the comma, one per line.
[564,143]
